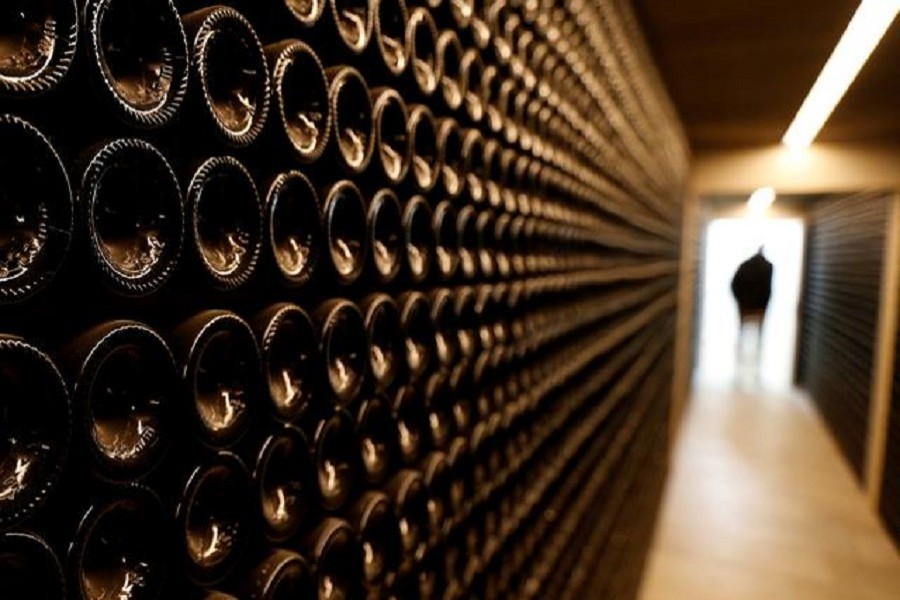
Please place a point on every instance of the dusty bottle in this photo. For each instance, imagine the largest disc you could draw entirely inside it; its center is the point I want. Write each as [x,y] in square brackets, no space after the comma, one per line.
[385,235]
[449,146]
[226,220]
[418,236]
[288,344]
[138,54]
[385,340]
[284,484]
[301,119]
[335,459]
[410,424]
[334,551]
[378,531]
[421,44]
[345,230]
[392,143]
[425,161]
[353,129]
[342,349]
[293,234]
[121,546]
[389,31]
[29,569]
[220,368]
[446,240]
[352,21]
[410,499]
[35,422]
[281,575]
[472,74]
[449,57]
[376,439]
[37,210]
[132,203]
[213,518]
[39,43]
[230,73]
[418,333]
[125,389]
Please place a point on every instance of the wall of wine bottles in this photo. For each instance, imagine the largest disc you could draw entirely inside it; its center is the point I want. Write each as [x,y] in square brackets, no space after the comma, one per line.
[332,299]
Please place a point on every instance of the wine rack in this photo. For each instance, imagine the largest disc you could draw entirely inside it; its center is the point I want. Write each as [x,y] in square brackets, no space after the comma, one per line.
[336,299]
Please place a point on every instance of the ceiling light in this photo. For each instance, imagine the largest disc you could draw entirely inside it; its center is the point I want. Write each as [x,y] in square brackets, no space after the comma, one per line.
[868,26]
[761,200]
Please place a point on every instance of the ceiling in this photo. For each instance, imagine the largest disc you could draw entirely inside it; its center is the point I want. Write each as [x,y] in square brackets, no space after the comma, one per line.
[738,70]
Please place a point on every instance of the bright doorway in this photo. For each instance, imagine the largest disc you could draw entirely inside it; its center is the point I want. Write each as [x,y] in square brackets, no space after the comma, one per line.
[728,243]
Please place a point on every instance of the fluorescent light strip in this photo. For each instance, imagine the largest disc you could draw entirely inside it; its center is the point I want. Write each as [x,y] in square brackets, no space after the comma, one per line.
[868,26]
[761,200]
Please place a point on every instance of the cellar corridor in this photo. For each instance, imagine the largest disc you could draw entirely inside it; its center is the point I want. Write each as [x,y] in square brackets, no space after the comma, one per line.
[760,504]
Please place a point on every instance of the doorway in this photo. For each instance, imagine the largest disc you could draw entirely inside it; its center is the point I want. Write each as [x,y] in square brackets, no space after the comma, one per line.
[729,242]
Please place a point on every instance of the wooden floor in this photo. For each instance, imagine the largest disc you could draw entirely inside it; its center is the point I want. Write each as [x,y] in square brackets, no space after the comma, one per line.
[760,506]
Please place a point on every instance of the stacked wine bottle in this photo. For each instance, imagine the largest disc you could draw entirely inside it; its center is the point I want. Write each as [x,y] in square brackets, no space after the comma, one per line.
[333,299]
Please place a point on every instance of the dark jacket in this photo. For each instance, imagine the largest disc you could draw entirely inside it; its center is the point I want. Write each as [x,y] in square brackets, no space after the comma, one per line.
[752,284]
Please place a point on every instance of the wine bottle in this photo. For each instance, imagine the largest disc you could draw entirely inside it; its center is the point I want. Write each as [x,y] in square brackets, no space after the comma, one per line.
[376,527]
[385,340]
[481,34]
[491,81]
[220,367]
[418,333]
[302,115]
[410,499]
[449,57]
[353,21]
[125,389]
[421,44]
[213,524]
[438,404]
[473,164]
[342,348]
[472,73]
[226,221]
[281,575]
[437,478]
[121,547]
[392,144]
[487,243]
[449,147]
[445,327]
[132,203]
[446,240]
[351,107]
[461,493]
[284,484]
[425,161]
[138,55]
[37,214]
[39,43]
[35,422]
[391,17]
[335,459]
[419,239]
[376,438]
[467,238]
[29,569]
[492,172]
[336,556]
[410,423]
[345,230]
[288,343]
[385,235]
[293,231]
[230,73]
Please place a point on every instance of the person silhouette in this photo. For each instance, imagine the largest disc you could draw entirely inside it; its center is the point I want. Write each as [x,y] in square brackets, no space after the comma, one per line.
[752,289]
